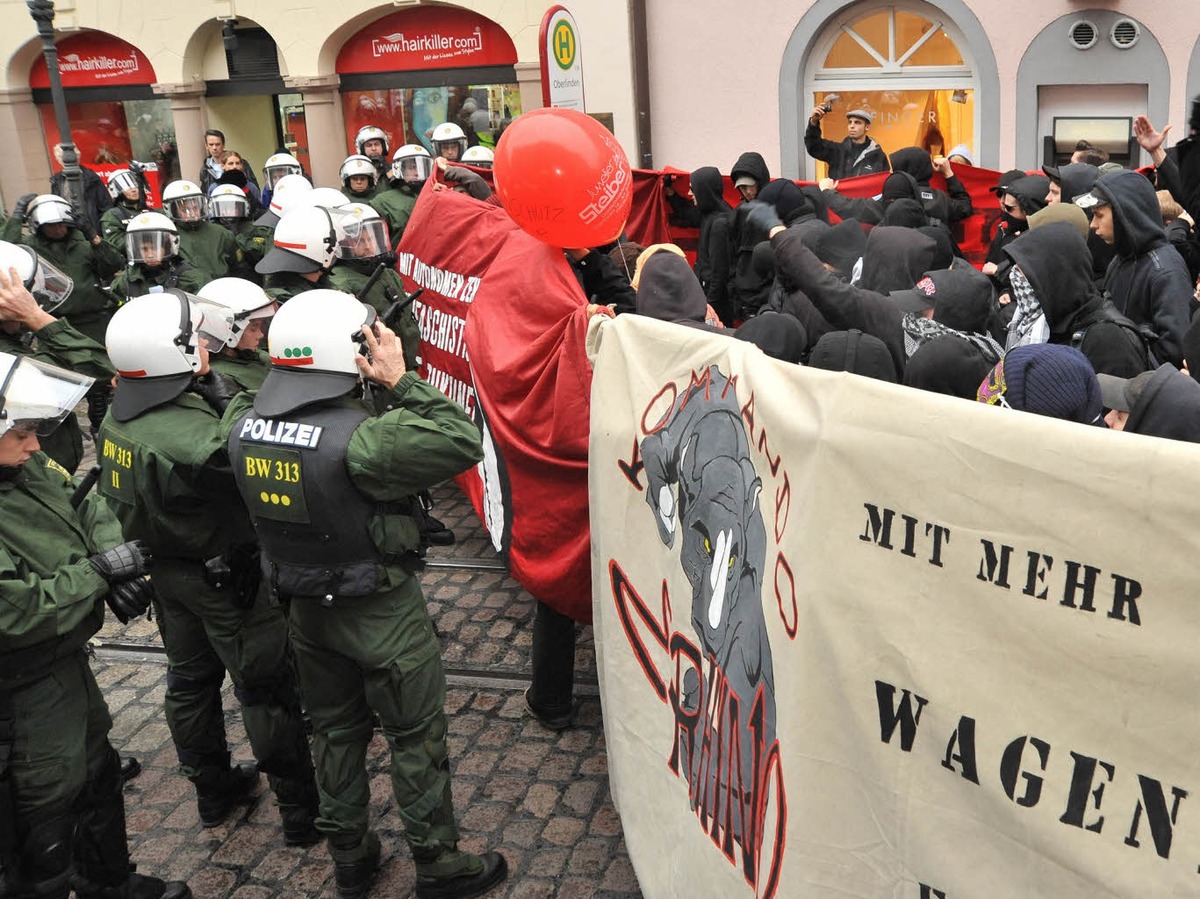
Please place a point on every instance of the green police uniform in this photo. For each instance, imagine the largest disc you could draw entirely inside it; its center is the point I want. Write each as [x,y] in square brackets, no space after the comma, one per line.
[395,205]
[253,241]
[166,476]
[247,368]
[60,798]
[361,632]
[113,223]
[137,280]
[351,276]
[90,266]
[282,286]
[209,248]
[61,344]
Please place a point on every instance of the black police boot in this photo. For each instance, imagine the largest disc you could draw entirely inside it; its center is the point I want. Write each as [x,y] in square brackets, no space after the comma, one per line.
[130,768]
[298,801]
[220,790]
[138,886]
[480,873]
[355,876]
[44,863]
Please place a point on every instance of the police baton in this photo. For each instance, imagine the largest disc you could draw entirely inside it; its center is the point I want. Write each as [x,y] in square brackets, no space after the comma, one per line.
[361,296]
[85,486]
[392,313]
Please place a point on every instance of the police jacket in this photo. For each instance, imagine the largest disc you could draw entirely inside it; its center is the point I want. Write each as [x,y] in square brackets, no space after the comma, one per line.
[395,205]
[376,458]
[51,599]
[209,248]
[248,368]
[166,476]
[137,280]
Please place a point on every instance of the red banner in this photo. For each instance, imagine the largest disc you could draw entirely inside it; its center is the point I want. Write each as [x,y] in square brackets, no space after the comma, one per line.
[502,333]
[95,59]
[434,37]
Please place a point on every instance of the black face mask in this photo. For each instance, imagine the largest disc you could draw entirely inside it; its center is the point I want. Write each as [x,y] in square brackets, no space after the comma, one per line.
[1014,224]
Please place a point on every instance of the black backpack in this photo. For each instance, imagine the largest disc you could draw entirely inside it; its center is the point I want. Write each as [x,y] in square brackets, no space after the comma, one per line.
[1141,332]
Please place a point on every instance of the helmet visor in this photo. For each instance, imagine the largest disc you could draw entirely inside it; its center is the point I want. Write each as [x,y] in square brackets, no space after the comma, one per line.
[412,168]
[50,285]
[372,240]
[228,206]
[121,183]
[273,173]
[37,397]
[218,326]
[186,209]
[150,248]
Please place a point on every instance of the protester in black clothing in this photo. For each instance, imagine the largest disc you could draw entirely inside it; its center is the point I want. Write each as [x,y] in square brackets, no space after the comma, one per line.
[750,174]
[712,253]
[95,199]
[1160,403]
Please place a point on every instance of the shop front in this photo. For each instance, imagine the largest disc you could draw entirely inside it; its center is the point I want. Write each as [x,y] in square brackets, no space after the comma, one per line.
[412,70]
[115,117]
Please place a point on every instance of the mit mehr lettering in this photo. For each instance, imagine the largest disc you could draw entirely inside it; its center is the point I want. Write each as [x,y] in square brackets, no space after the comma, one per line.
[1077,589]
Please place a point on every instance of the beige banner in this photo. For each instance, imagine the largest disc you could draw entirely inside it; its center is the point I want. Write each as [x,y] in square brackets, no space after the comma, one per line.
[856,640]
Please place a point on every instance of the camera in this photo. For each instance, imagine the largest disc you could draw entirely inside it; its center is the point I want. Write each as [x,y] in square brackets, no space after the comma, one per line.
[827,106]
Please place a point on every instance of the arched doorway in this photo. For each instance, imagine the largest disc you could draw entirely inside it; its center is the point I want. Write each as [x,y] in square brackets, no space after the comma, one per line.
[905,65]
[923,70]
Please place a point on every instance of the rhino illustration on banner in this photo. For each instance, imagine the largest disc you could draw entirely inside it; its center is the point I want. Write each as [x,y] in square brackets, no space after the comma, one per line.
[703,490]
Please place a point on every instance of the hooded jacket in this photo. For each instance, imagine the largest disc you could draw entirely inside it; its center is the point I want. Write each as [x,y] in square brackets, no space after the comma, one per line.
[668,291]
[946,206]
[846,158]
[752,164]
[1148,279]
[712,253]
[896,258]
[1057,264]
[1169,406]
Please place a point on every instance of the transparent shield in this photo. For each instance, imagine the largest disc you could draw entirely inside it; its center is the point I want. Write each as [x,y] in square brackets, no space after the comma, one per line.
[50,285]
[372,240]
[275,172]
[150,248]
[186,209]
[40,396]
[228,206]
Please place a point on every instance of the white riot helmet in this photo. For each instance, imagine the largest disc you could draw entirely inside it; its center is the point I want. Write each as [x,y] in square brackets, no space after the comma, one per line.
[280,165]
[49,209]
[358,166]
[228,201]
[370,132]
[154,344]
[326,197]
[122,180]
[228,305]
[287,191]
[412,164]
[36,397]
[314,340]
[371,236]
[305,241]
[449,137]
[47,283]
[480,156]
[151,239]
[184,201]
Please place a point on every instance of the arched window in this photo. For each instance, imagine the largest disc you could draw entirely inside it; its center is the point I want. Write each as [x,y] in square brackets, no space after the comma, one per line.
[905,65]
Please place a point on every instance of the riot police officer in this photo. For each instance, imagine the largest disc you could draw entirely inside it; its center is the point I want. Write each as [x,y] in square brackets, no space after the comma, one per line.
[235,314]
[328,470]
[411,167]
[62,813]
[166,476]
[204,245]
[152,248]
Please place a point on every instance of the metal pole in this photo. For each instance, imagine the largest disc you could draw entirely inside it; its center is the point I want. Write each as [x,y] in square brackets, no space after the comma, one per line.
[42,12]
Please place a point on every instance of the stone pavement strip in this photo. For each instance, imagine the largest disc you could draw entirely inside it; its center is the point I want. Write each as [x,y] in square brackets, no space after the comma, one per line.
[540,798]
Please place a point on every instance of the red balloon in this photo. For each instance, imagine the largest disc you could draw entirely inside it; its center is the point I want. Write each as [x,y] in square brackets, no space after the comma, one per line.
[563,178]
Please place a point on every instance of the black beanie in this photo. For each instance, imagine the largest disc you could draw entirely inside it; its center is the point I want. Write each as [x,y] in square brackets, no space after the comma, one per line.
[855,352]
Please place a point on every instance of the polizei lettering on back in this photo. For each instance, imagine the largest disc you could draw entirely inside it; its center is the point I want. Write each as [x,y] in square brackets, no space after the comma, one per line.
[286,433]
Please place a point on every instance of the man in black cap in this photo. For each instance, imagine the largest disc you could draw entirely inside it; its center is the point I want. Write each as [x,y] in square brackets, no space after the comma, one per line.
[1160,403]
[856,154]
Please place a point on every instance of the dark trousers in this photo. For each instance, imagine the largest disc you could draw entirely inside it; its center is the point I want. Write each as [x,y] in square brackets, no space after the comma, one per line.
[553,661]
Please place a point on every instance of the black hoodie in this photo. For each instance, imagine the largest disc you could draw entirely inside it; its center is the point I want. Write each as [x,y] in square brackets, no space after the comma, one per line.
[1148,280]
[1169,406]
[712,253]
[668,290]
[946,206]
[752,164]
[1057,264]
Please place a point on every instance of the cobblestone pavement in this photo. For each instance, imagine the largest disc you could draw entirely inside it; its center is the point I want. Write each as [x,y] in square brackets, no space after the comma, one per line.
[540,798]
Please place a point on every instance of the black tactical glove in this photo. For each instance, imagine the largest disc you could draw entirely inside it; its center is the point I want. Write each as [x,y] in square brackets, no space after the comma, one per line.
[216,389]
[457,176]
[123,562]
[22,205]
[762,215]
[129,599]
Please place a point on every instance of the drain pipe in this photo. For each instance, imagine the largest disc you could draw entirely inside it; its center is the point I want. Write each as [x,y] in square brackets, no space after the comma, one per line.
[641,83]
